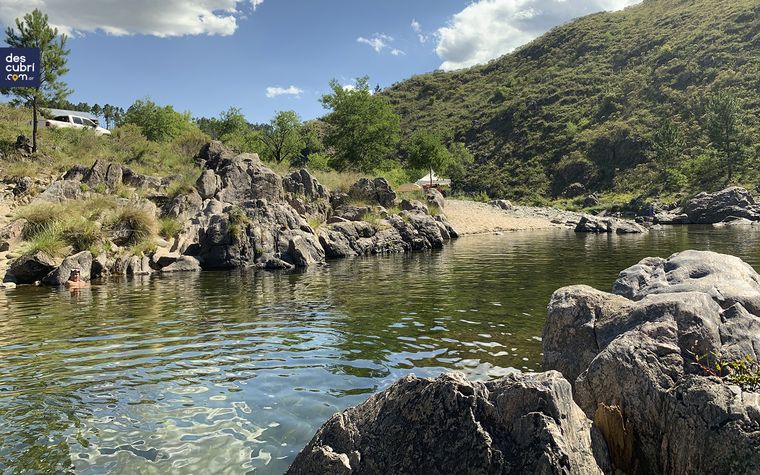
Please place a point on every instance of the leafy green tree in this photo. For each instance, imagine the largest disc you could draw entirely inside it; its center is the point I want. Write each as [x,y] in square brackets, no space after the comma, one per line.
[97,110]
[668,146]
[363,130]
[425,151]
[33,31]
[232,121]
[282,137]
[723,125]
[109,115]
[157,123]
[461,160]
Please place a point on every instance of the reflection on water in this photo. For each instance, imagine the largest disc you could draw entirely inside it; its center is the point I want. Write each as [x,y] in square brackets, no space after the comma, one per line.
[233,372]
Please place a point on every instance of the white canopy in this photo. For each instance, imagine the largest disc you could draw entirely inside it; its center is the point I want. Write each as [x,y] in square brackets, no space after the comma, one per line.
[437,181]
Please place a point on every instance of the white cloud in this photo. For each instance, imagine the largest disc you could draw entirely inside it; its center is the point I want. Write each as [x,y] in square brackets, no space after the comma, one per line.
[378,41]
[275,91]
[398,52]
[417,28]
[487,29]
[164,18]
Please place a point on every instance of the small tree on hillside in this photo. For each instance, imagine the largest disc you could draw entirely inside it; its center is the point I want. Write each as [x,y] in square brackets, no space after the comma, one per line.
[426,151]
[723,125]
[157,123]
[667,151]
[363,128]
[282,137]
[33,31]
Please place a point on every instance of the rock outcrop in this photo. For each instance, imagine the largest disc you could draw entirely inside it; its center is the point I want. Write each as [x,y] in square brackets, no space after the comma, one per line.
[244,214]
[241,214]
[710,208]
[636,362]
[524,423]
[597,225]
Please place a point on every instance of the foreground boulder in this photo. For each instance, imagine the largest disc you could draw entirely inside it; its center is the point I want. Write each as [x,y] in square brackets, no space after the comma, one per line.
[639,362]
[710,208]
[524,423]
[81,261]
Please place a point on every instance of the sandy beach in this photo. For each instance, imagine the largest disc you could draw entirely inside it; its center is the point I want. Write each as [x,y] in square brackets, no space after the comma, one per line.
[470,217]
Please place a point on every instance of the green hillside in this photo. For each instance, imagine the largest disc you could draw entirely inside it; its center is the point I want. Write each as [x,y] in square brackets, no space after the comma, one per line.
[582,103]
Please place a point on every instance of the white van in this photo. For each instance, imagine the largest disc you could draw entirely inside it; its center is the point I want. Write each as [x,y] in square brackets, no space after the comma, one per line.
[75,122]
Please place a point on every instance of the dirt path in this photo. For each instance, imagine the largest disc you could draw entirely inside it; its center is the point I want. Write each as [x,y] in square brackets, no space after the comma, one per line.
[470,217]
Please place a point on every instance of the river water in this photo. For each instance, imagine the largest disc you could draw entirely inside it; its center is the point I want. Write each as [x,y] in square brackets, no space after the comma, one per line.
[233,372]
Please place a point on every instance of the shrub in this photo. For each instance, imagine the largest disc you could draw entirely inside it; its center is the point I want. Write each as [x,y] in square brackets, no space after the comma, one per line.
[141,221]
[48,240]
[169,227]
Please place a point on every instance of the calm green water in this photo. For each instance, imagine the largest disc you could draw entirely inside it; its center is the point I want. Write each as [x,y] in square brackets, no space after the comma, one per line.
[234,372]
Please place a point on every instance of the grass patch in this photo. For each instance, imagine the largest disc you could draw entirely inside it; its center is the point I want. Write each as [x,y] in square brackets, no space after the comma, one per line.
[142,222]
[238,221]
[48,240]
[169,227]
[81,225]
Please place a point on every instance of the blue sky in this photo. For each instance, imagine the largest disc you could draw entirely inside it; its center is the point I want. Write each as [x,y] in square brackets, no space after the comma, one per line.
[263,56]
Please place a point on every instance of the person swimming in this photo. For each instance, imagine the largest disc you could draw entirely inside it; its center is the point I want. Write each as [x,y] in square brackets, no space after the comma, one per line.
[75,281]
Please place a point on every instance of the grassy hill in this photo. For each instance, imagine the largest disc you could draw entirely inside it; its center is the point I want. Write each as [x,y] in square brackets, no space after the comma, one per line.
[582,103]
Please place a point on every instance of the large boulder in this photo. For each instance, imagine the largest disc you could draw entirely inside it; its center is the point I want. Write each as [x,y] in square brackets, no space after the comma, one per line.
[61,190]
[30,268]
[524,423]
[435,198]
[710,208]
[11,234]
[374,191]
[639,361]
[81,261]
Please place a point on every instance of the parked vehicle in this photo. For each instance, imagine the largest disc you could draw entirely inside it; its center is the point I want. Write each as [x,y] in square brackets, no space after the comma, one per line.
[75,122]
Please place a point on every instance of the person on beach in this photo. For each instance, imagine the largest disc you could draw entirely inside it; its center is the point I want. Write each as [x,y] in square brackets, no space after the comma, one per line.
[75,281]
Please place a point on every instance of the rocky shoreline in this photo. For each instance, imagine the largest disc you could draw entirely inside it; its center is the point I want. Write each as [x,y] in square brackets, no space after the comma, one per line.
[239,214]
[628,388]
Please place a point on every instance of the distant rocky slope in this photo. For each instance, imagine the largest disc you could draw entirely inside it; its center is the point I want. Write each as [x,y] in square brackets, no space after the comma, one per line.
[631,386]
[239,214]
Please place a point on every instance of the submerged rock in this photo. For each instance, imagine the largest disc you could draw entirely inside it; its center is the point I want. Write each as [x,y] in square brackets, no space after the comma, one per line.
[524,423]
[635,359]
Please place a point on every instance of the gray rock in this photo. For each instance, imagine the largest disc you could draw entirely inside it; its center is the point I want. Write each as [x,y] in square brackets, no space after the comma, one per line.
[184,206]
[643,383]
[414,206]
[374,191]
[434,197]
[709,208]
[81,261]
[524,423]
[61,190]
[304,251]
[30,268]
[352,212]
[11,234]
[182,264]
[590,201]
[506,205]
[207,184]
[599,225]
